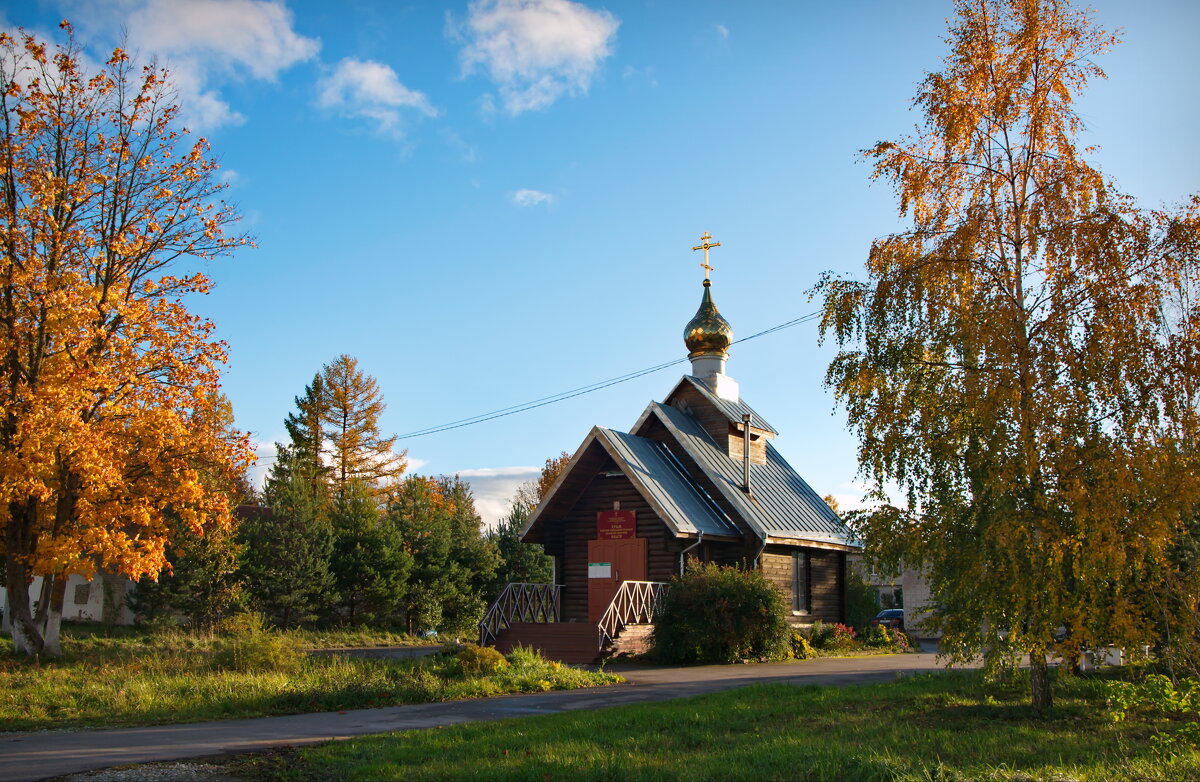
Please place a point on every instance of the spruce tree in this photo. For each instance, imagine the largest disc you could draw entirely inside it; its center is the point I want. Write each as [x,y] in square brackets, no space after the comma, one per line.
[452,565]
[369,564]
[287,552]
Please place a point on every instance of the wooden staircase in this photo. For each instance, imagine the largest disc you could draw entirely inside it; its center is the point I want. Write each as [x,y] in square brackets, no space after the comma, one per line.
[568,642]
[632,639]
[528,615]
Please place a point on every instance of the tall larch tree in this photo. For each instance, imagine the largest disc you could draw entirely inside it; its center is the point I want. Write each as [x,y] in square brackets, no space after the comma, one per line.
[1007,362]
[349,406]
[108,384]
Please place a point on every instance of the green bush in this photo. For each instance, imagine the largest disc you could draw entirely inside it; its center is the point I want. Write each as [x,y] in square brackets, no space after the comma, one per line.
[522,656]
[880,637]
[721,614]
[480,660]
[819,634]
[244,624]
[861,602]
[1179,700]
[835,637]
[247,645]
[261,651]
[801,648]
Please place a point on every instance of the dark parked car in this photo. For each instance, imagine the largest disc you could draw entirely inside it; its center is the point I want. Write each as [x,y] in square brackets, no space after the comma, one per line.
[890,617]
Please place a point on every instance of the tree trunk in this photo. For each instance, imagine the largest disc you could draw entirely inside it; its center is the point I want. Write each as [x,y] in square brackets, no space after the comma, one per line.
[49,619]
[25,635]
[1039,679]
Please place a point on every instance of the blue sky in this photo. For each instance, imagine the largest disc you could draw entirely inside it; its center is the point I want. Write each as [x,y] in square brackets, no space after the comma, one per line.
[490,202]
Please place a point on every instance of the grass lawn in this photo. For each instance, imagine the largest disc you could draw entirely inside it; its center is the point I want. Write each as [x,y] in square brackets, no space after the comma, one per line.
[110,679]
[923,728]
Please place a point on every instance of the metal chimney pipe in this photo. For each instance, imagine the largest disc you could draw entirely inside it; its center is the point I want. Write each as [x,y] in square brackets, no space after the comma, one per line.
[746,453]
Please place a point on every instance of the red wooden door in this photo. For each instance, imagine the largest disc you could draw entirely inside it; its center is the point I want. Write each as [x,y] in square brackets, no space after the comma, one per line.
[625,560]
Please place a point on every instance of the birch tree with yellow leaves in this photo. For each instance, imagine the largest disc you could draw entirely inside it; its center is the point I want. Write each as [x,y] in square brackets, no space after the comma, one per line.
[109,402]
[1017,359]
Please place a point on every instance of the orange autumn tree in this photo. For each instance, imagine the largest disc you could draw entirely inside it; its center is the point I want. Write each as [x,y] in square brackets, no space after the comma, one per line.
[109,401]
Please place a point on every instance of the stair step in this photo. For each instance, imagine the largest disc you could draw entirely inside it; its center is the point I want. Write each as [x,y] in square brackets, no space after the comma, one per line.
[569,642]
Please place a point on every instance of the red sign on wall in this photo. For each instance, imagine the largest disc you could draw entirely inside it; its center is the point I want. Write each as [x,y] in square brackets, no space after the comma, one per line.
[616,525]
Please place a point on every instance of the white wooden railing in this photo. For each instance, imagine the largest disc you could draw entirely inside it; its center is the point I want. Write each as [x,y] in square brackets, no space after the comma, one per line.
[520,603]
[635,602]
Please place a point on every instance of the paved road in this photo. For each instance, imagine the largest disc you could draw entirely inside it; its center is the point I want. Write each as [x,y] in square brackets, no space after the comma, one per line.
[34,756]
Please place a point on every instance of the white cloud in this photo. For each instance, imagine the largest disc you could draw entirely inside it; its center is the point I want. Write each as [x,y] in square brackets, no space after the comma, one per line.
[266,453]
[630,72]
[369,89]
[722,31]
[203,42]
[494,487]
[536,50]
[849,502]
[526,197]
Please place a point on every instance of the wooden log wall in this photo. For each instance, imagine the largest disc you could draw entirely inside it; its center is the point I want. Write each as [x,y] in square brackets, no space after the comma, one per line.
[579,526]
[826,582]
[777,568]
[725,433]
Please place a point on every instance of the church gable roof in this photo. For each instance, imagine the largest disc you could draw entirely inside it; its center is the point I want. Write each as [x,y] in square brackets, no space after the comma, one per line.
[728,408]
[661,479]
[654,473]
[781,504]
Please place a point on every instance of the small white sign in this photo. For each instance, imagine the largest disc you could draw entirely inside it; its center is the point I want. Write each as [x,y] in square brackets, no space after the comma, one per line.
[599,570]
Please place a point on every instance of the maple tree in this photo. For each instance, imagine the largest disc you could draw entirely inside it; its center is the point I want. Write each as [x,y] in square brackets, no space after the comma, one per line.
[108,384]
[1019,359]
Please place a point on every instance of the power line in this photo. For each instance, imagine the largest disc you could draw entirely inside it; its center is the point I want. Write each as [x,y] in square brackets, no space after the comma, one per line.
[580,391]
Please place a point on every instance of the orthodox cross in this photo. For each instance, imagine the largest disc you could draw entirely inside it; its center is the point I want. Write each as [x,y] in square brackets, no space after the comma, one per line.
[706,245]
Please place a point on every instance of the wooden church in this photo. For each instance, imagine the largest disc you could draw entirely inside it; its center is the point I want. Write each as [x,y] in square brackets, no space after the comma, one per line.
[695,479]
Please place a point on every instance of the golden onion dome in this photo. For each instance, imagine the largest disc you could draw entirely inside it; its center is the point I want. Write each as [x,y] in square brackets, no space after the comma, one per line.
[707,333]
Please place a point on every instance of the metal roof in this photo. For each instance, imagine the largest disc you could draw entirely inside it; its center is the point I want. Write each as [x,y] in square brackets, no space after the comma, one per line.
[730,409]
[658,477]
[781,504]
[666,486]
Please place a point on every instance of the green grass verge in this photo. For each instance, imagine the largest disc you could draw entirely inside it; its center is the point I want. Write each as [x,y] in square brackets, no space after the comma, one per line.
[114,679]
[920,729]
[90,638]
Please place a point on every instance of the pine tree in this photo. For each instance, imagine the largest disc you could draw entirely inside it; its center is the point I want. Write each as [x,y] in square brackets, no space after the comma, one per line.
[203,583]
